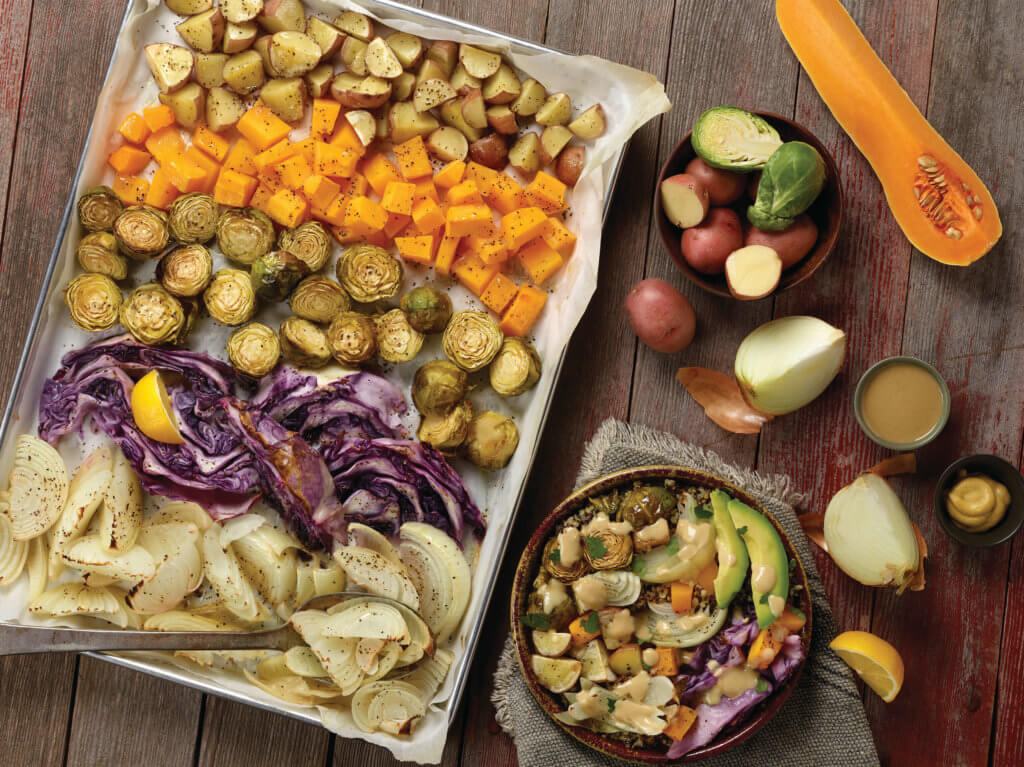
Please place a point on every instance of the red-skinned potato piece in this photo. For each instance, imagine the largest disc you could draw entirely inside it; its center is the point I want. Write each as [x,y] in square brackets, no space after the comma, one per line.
[684,200]
[661,316]
[724,187]
[753,272]
[792,243]
[569,164]
[706,246]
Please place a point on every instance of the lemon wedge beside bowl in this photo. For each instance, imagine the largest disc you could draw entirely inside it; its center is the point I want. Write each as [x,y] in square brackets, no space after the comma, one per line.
[873,659]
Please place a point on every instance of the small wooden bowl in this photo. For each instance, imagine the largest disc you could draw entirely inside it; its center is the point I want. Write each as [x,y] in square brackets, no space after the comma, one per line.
[826,212]
[529,564]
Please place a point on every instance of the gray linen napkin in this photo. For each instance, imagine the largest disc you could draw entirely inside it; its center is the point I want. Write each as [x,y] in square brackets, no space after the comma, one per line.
[823,722]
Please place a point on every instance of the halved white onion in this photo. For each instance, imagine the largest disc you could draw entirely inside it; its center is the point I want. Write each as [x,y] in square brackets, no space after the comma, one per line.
[181,511]
[85,494]
[91,554]
[365,536]
[225,575]
[377,574]
[69,599]
[174,547]
[38,487]
[13,554]
[441,576]
[120,517]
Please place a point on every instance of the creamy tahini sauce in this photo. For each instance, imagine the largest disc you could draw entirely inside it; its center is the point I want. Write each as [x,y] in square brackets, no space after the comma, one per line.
[619,629]
[635,688]
[776,604]
[552,594]
[589,704]
[600,523]
[640,716]
[568,546]
[691,622]
[763,578]
[733,681]
[650,657]
[591,593]
[652,535]
[901,402]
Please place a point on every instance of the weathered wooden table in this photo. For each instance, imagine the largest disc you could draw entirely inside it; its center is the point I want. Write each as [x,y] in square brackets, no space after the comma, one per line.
[962,638]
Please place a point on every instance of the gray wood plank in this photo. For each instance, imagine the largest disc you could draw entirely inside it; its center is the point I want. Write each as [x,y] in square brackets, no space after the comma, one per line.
[37,694]
[236,734]
[13,49]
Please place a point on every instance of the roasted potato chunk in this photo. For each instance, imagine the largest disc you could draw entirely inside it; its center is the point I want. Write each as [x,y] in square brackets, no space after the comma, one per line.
[243,72]
[355,24]
[282,16]
[325,35]
[188,7]
[239,37]
[353,54]
[292,54]
[570,165]
[204,31]
[530,99]
[381,61]
[210,69]
[286,97]
[262,47]
[364,124]
[408,48]
[223,109]
[432,93]
[451,114]
[405,122]
[241,11]
[491,151]
[448,144]
[430,70]
[501,119]
[524,155]
[552,141]
[170,65]
[478,62]
[445,54]
[590,124]
[187,103]
[318,81]
[402,86]
[360,92]
[503,86]
[556,110]
[474,110]
[463,82]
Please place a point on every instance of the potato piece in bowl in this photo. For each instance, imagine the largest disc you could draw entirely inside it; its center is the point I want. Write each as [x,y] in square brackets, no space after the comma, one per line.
[792,243]
[531,97]
[753,272]
[478,62]
[170,65]
[432,93]
[408,48]
[556,110]
[524,155]
[448,144]
[244,72]
[360,92]
[282,16]
[553,140]
[684,200]
[556,674]
[204,31]
[706,246]
[474,109]
[490,151]
[239,37]
[292,54]
[355,24]
[364,124]
[406,123]
[223,109]
[188,104]
[286,97]
[210,69]
[591,124]
[381,61]
[502,119]
[503,86]
[241,11]
[188,7]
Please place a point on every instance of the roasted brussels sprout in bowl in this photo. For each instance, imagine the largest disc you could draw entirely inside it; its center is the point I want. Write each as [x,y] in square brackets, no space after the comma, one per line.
[582,632]
[824,213]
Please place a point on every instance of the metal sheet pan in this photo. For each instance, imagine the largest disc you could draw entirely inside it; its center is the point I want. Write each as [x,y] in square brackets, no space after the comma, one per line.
[385,8]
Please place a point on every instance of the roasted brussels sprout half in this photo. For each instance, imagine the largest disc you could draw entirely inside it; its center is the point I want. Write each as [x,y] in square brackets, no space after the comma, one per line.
[318,299]
[309,243]
[428,309]
[244,234]
[645,505]
[230,298]
[397,340]
[275,275]
[98,209]
[304,344]
[254,350]
[352,338]
[97,253]
[438,386]
[142,232]
[734,139]
[448,431]
[563,613]
[491,441]
[516,369]
[185,271]
[609,551]
[791,180]
[472,339]
[369,273]
[152,315]
[193,218]
[554,566]
[94,301]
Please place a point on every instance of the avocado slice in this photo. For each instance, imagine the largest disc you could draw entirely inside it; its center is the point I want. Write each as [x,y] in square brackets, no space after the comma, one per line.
[733,560]
[766,551]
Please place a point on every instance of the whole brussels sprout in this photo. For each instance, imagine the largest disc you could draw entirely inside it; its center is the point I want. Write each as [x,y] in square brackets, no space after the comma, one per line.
[254,350]
[193,218]
[244,234]
[369,273]
[304,344]
[142,232]
[97,253]
[152,315]
[185,271]
[230,298]
[318,299]
[516,369]
[734,139]
[790,182]
[309,243]
[438,386]
[98,209]
[397,340]
[352,338]
[448,431]
[275,275]
[645,505]
[428,309]
[472,339]
[491,441]
[94,301]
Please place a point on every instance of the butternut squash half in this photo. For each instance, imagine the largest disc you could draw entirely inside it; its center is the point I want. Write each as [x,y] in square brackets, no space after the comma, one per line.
[938,200]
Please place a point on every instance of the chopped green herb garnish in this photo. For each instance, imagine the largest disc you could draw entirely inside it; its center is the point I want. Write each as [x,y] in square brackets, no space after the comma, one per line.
[764,599]
[673,545]
[536,621]
[590,623]
[638,566]
[611,705]
[762,686]
[742,529]
[595,547]
[555,556]
[704,512]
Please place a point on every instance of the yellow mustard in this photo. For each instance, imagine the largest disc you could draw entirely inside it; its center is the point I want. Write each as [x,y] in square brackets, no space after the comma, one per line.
[977,503]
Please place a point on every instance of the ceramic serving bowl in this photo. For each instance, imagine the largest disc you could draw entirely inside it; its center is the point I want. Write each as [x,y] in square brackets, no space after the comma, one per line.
[999,470]
[529,565]
[901,447]
[826,212]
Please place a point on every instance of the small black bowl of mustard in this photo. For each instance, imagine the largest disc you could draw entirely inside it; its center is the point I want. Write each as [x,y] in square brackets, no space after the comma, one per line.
[979,500]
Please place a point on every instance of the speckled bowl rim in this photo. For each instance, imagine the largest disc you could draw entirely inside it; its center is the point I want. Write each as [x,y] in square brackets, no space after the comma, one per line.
[902,446]
[1010,476]
[528,563]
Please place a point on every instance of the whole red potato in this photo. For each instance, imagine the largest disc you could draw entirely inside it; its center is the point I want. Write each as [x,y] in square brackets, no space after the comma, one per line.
[724,187]
[661,316]
[792,243]
[706,246]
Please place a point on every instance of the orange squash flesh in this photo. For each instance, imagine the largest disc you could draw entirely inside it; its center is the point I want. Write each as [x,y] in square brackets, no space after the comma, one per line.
[938,200]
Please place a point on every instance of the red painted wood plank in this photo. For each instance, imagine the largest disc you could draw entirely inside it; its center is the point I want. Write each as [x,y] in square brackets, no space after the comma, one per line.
[16,15]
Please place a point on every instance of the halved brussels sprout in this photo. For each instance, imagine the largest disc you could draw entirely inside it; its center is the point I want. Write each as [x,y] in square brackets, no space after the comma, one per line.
[492,440]
[615,551]
[94,301]
[472,339]
[98,209]
[193,218]
[369,273]
[516,369]
[309,243]
[230,298]
[304,344]
[397,340]
[557,569]
[438,386]
[645,505]
[447,432]
[142,232]
[352,338]
[428,309]
[275,275]
[318,299]
[185,271]
[244,234]
[791,180]
[734,139]
[254,350]
[97,253]
[153,315]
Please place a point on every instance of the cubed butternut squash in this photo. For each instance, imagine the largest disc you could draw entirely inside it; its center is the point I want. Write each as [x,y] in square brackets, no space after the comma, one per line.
[547,193]
[272,155]
[681,594]
[706,577]
[129,161]
[499,293]
[211,168]
[418,250]
[185,174]
[668,662]
[345,137]
[464,193]
[397,197]
[792,619]
[233,189]
[162,191]
[288,208]
[335,213]
[397,223]
[241,158]
[334,161]
[325,117]
[158,116]
[559,237]
[294,171]
[764,648]
[271,178]
[131,190]
[585,628]
[215,145]
[464,220]
[681,723]
[365,217]
[358,186]
[523,312]
[450,175]
[490,250]
[320,191]
[482,175]
[539,260]
[379,172]
[262,127]
[505,195]
[425,190]
[261,198]
[165,144]
[521,226]
[473,273]
[413,160]
[446,255]
[134,128]
[427,216]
